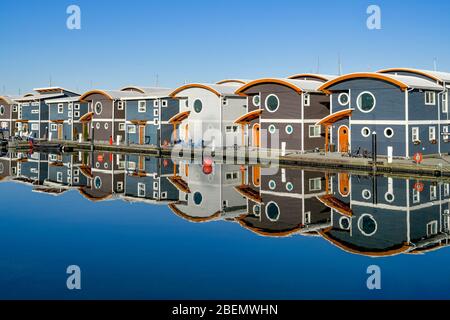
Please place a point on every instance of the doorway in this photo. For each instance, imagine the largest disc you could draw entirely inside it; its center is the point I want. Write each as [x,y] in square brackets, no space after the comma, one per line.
[256,137]
[141,135]
[344,141]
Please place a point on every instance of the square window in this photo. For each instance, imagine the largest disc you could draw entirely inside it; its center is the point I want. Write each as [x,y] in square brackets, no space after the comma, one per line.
[122,126]
[307,101]
[60,108]
[120,186]
[120,105]
[76,114]
[156,112]
[315,131]
[430,98]
[132,129]
[142,106]
[315,184]
[155,104]
[77,106]
[165,103]
[34,126]
[432,228]
[141,190]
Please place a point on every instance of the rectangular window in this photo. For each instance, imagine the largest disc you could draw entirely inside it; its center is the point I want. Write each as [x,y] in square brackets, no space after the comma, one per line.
[307,217]
[432,133]
[69,114]
[446,189]
[77,106]
[121,126]
[142,106]
[15,109]
[35,126]
[131,166]
[430,98]
[120,105]
[224,101]
[155,185]
[164,195]
[59,177]
[315,184]
[60,108]
[119,186]
[4,125]
[164,103]
[415,134]
[35,104]
[141,190]
[76,114]
[315,131]
[131,129]
[229,129]
[35,111]
[156,121]
[416,196]
[70,107]
[432,228]
[76,180]
[307,101]
[53,127]
[155,104]
[445,102]
[156,112]
[445,135]
[433,193]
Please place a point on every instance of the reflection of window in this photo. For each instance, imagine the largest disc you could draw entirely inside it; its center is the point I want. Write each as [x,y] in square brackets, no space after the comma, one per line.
[198,198]
[272,185]
[141,190]
[366,194]
[131,129]
[315,184]
[289,129]
[416,196]
[120,105]
[122,126]
[97,182]
[35,126]
[430,98]
[446,189]
[344,223]
[2,110]
[198,106]
[433,193]
[231,176]
[315,131]
[445,102]
[367,225]
[77,106]
[432,228]
[60,108]
[272,129]
[273,211]
[307,217]
[59,177]
[53,127]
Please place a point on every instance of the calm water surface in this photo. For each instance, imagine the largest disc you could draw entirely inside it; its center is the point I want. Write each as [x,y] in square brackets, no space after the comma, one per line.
[147,228]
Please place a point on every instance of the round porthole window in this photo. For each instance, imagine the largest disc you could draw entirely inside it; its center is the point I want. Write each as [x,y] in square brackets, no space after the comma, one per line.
[289,129]
[256,100]
[367,225]
[366,102]
[289,186]
[98,108]
[257,210]
[198,198]
[366,194]
[272,129]
[389,197]
[388,132]
[97,182]
[272,103]
[97,165]
[272,211]
[98,125]
[344,223]
[2,110]
[106,165]
[272,185]
[198,106]
[344,99]
[106,126]
[365,132]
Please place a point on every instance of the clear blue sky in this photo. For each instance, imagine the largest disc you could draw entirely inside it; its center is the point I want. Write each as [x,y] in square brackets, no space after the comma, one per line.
[129,42]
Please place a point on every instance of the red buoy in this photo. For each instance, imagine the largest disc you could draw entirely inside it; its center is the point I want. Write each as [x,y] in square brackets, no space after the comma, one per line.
[207,170]
[208,161]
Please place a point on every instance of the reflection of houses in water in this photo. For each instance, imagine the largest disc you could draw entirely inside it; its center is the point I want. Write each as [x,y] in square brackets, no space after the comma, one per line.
[8,166]
[208,193]
[284,203]
[147,180]
[105,173]
[31,168]
[385,216]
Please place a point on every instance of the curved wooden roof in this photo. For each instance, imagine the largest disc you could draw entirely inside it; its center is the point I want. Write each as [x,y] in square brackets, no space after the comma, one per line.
[284,82]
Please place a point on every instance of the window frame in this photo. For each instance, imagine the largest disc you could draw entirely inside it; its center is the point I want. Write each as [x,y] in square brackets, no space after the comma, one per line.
[142,106]
[358,101]
[429,94]
[60,108]
[415,134]
[315,134]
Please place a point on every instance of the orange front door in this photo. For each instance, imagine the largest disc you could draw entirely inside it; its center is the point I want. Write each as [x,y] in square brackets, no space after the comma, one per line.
[344,143]
[141,134]
[60,131]
[256,135]
[256,176]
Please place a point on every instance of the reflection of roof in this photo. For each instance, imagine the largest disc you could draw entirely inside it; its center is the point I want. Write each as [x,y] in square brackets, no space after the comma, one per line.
[433,75]
[403,82]
[180,117]
[249,117]
[336,204]
[298,86]
[318,77]
[84,192]
[218,89]
[249,193]
[132,199]
[180,184]
[265,232]
[178,212]
[401,248]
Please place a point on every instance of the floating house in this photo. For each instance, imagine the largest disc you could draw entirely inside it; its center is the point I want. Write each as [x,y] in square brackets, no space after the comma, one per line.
[132,115]
[64,170]
[64,119]
[272,197]
[207,115]
[8,116]
[403,111]
[382,216]
[208,193]
[147,180]
[8,166]
[282,114]
[33,111]
[32,168]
